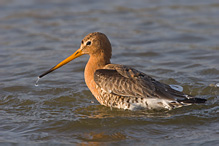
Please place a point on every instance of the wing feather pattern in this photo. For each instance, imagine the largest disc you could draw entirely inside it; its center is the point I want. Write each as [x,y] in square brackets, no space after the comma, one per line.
[126,81]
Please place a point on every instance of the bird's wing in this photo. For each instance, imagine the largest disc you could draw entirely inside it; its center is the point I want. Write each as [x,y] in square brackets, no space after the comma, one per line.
[126,81]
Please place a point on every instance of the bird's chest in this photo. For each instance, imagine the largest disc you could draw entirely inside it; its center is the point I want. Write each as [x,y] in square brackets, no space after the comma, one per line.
[92,86]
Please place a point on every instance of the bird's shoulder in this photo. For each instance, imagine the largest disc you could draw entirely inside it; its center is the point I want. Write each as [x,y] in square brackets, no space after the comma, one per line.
[126,71]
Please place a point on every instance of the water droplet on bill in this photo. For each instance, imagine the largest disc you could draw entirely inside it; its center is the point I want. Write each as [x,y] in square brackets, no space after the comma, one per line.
[36,84]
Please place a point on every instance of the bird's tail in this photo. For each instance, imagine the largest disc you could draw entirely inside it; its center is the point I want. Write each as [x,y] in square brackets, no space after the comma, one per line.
[192,100]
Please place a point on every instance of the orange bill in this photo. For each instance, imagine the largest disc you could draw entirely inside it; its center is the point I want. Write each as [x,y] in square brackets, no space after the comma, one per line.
[76,54]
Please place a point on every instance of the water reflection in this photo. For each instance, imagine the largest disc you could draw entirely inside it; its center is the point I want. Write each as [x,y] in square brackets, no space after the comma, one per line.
[93,137]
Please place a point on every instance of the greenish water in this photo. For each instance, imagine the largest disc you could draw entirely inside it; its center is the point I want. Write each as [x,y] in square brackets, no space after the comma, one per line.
[176,42]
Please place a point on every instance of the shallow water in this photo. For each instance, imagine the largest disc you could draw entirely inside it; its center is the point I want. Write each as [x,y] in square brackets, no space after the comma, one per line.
[176,42]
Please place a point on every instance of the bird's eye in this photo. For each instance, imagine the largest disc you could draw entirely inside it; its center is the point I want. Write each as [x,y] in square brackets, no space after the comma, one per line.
[82,42]
[88,43]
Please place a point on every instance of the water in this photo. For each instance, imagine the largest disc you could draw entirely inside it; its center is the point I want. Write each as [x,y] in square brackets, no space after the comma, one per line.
[176,42]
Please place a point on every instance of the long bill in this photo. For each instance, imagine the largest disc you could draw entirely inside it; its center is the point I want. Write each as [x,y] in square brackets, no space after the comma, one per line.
[76,54]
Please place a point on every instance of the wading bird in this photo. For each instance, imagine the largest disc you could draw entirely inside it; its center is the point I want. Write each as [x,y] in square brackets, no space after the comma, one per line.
[120,86]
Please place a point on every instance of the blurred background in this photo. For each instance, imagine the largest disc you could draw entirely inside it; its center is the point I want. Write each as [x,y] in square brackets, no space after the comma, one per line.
[175,42]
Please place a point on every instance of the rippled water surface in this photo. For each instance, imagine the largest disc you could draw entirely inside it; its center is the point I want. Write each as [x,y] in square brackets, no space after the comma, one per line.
[176,42]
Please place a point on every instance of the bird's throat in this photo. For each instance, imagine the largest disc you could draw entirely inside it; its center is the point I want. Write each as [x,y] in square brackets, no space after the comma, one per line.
[94,63]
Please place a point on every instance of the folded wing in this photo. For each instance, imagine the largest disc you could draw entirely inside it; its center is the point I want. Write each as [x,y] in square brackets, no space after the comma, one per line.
[126,81]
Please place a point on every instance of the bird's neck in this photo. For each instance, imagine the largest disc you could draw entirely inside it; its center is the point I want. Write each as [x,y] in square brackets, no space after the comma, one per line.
[94,63]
